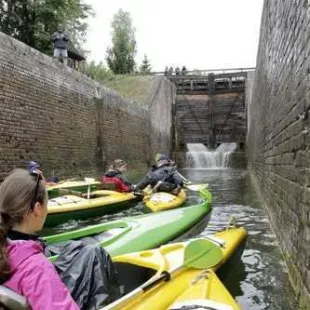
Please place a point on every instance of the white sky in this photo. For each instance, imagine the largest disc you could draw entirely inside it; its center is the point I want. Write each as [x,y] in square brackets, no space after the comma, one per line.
[201,34]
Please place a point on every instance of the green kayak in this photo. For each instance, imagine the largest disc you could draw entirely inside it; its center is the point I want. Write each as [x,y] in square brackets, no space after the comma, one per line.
[141,232]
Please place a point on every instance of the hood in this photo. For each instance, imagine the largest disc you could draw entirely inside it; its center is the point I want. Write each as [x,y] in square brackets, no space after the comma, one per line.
[20,250]
[112,173]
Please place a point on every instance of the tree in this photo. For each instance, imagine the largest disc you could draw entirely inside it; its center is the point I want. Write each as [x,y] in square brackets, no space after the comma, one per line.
[98,71]
[121,56]
[33,21]
[145,66]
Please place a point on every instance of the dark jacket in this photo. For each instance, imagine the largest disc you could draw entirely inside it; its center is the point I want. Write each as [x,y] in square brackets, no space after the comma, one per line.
[166,173]
[113,177]
[60,39]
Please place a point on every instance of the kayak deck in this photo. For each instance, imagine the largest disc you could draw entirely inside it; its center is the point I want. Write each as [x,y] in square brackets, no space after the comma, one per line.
[62,209]
[78,186]
[161,201]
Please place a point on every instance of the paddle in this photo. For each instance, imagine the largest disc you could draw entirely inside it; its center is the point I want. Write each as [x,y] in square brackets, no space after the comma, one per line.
[198,254]
[196,187]
[89,181]
[183,178]
[189,184]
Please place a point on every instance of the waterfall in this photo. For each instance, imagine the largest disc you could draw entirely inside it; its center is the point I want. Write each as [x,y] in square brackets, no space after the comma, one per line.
[199,156]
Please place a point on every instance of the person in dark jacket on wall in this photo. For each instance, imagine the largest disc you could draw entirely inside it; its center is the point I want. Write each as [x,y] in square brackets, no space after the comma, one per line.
[60,41]
[163,176]
[112,179]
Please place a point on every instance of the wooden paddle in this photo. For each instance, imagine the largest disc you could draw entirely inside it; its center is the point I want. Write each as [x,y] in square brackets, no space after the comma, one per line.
[198,254]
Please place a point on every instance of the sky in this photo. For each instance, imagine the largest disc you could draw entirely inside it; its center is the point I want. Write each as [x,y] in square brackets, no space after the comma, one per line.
[200,34]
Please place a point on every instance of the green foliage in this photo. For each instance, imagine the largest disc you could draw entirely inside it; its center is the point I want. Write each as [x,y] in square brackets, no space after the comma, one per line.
[34,21]
[98,72]
[145,67]
[121,56]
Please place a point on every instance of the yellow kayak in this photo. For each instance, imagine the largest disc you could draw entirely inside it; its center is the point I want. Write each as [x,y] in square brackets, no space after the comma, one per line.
[161,201]
[80,186]
[65,208]
[189,286]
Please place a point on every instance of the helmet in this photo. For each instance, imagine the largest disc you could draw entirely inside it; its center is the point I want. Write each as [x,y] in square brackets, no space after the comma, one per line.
[160,157]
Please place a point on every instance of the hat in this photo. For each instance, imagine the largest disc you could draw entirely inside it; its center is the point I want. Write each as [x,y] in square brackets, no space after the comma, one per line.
[160,157]
[33,166]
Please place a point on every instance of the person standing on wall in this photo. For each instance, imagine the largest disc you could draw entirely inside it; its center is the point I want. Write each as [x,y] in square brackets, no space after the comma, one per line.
[60,40]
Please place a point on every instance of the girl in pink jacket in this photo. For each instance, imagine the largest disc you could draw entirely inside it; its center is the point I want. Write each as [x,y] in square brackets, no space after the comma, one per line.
[23,266]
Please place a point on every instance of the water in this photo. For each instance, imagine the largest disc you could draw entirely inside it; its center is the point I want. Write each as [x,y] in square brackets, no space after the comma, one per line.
[259,280]
[199,156]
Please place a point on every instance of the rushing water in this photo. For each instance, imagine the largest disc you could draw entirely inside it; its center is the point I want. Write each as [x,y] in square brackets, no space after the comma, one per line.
[199,156]
[259,281]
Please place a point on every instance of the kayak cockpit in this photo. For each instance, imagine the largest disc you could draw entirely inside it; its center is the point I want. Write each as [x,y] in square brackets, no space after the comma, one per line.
[132,276]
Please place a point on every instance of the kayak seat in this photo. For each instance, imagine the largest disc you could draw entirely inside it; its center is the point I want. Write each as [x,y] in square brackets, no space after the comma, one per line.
[132,276]
[12,300]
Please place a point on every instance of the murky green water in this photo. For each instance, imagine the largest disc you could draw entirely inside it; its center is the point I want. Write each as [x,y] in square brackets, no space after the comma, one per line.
[259,280]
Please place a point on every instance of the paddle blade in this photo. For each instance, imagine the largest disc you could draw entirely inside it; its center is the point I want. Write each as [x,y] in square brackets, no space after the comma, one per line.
[89,180]
[202,254]
[196,187]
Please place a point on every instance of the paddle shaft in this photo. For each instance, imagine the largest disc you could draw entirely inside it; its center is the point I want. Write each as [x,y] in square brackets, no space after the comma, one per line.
[163,277]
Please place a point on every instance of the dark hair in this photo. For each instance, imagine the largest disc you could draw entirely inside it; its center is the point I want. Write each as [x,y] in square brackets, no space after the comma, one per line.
[16,199]
[117,163]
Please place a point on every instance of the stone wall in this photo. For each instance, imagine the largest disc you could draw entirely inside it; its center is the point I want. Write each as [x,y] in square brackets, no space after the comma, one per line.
[279,132]
[66,121]
[161,101]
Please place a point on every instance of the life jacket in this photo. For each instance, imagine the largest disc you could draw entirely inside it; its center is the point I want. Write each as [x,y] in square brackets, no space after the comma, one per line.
[112,180]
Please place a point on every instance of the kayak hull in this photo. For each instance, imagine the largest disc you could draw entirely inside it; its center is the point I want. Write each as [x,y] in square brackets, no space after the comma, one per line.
[191,286]
[161,201]
[141,232]
[71,207]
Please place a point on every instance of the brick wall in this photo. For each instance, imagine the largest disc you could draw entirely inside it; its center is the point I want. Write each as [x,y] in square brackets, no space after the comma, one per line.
[66,121]
[279,132]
